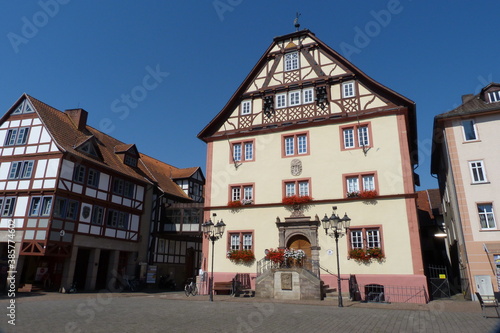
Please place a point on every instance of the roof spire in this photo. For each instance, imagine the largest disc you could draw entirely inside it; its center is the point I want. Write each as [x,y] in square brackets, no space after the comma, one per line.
[296,21]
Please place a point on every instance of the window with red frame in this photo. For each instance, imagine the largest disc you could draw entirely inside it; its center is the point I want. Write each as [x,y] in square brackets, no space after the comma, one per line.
[241,192]
[296,144]
[359,183]
[298,187]
[242,151]
[240,240]
[365,238]
[356,136]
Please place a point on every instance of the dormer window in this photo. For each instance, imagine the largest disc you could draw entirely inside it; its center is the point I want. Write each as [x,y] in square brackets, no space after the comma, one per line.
[494,96]
[130,161]
[89,148]
[291,61]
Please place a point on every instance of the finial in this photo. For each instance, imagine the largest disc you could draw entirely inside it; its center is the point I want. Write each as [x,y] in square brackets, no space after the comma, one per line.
[296,22]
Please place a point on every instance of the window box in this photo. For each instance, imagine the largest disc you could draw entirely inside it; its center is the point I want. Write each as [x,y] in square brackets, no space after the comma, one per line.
[360,256]
[368,194]
[296,200]
[245,257]
[376,254]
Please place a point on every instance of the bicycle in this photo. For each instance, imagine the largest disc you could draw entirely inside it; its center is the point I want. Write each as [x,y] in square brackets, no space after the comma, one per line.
[191,288]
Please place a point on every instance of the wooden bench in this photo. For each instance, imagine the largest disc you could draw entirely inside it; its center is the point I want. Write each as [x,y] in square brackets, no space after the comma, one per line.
[220,287]
[487,302]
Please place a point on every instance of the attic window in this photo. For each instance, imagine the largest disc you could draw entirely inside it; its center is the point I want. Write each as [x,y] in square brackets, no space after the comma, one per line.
[494,96]
[292,61]
[24,107]
[130,161]
[89,148]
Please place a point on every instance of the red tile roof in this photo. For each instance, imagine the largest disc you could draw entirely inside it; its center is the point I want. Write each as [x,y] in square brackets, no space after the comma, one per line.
[67,137]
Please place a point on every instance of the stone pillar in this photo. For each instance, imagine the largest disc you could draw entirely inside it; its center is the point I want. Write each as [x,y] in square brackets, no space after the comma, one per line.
[69,269]
[92,268]
[113,275]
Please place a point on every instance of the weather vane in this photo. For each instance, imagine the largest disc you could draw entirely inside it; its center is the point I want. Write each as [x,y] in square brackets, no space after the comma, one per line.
[296,22]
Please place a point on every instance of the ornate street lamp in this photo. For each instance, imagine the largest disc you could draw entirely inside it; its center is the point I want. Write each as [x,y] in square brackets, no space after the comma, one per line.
[338,228]
[213,232]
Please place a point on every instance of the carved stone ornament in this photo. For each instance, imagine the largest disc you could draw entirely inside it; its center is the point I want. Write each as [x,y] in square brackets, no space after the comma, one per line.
[286,281]
[296,167]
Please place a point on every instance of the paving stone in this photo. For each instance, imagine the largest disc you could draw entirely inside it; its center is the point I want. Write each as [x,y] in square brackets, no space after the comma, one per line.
[174,312]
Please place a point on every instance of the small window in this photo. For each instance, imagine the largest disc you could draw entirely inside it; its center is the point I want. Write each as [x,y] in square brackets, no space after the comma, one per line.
[79,174]
[243,193]
[347,89]
[8,206]
[494,96]
[246,107]
[297,187]
[365,238]
[10,139]
[294,98]
[117,219]
[280,101]
[40,206]
[291,61]
[357,184]
[242,151]
[93,178]
[356,239]
[308,95]
[469,128]
[296,144]
[72,210]
[60,207]
[97,215]
[477,172]
[21,170]
[240,241]
[356,136]
[22,137]
[486,216]
[130,160]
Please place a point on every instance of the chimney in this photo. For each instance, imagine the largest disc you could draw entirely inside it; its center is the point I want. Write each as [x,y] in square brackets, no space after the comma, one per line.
[466,98]
[78,116]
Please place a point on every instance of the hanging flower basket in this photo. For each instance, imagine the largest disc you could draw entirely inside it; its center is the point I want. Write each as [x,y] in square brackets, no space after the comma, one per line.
[368,194]
[241,256]
[296,200]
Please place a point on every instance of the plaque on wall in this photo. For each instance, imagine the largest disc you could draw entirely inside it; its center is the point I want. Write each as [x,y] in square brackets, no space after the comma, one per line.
[286,281]
[296,167]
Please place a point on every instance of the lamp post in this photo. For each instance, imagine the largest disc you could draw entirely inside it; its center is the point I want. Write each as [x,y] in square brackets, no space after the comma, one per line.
[338,228]
[213,232]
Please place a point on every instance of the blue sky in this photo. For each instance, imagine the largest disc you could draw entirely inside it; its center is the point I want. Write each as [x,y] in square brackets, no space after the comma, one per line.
[180,61]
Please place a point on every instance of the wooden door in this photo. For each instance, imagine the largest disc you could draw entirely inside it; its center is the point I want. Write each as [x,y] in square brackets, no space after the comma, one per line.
[300,242]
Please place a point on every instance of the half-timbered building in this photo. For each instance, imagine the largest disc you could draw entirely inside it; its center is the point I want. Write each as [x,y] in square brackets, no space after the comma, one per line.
[307,123]
[80,205]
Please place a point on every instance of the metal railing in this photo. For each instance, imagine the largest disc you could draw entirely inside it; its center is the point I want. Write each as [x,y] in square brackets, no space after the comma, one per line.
[392,294]
[264,265]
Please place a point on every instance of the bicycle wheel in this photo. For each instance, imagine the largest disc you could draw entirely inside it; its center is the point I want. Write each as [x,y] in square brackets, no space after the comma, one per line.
[187,289]
[194,290]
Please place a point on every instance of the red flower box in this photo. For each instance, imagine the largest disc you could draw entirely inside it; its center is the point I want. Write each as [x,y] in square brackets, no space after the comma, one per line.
[296,200]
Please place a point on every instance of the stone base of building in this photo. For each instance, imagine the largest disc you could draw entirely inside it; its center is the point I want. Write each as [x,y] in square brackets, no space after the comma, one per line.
[288,284]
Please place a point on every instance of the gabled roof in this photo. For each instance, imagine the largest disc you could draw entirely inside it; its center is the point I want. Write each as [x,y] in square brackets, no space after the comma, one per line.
[68,138]
[383,91]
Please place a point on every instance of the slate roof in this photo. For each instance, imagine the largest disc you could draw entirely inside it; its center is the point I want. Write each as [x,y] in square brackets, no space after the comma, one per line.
[68,138]
[473,104]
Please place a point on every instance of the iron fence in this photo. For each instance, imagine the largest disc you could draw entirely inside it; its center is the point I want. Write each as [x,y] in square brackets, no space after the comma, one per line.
[389,294]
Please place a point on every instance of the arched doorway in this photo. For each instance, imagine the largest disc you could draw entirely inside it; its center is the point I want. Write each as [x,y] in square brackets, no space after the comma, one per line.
[300,242]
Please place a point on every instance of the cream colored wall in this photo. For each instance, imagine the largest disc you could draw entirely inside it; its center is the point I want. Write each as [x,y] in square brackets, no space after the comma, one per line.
[487,130]
[324,166]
